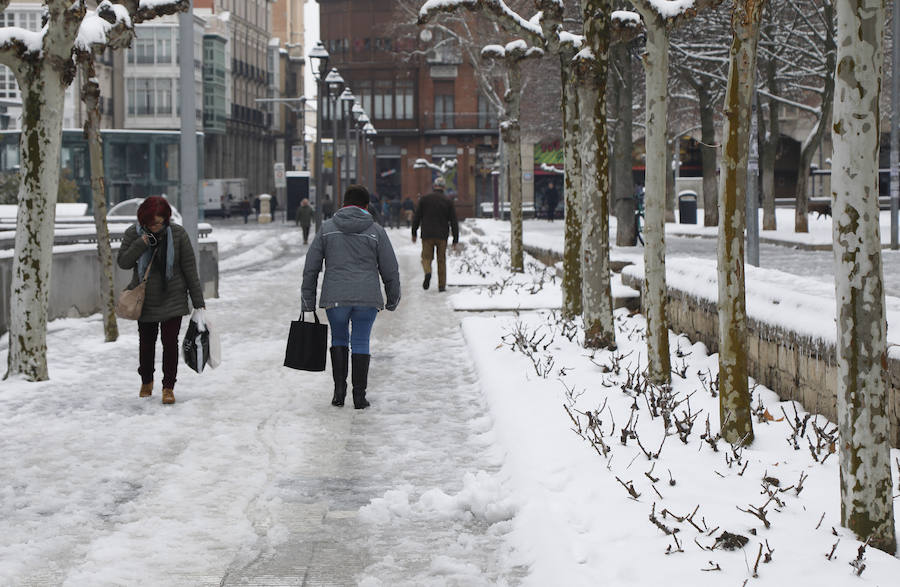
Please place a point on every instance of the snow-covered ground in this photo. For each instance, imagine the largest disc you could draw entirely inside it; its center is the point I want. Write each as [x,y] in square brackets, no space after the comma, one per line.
[466,471]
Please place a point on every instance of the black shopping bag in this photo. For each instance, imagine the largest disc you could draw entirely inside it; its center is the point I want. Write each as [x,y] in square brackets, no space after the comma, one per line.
[307,345]
[196,346]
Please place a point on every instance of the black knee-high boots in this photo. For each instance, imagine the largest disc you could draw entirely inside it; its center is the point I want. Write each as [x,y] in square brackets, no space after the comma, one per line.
[339,358]
[360,379]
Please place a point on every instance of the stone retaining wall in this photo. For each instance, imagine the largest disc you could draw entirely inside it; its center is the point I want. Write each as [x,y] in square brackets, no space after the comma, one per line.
[793,366]
[75,278]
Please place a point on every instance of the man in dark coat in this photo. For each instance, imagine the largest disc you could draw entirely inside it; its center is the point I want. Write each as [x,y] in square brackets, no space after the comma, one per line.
[551,199]
[437,216]
[304,218]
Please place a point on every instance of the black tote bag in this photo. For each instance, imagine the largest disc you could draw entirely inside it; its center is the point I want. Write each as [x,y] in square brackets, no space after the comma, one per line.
[307,345]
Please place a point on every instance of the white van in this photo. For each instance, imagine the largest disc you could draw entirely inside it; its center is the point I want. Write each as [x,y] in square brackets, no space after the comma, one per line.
[221,197]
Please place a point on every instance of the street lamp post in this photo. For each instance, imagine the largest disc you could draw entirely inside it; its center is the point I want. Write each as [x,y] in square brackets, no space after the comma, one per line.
[370,163]
[335,83]
[361,122]
[318,58]
[347,99]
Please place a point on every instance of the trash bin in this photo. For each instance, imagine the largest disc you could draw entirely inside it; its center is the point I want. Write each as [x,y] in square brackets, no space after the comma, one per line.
[687,207]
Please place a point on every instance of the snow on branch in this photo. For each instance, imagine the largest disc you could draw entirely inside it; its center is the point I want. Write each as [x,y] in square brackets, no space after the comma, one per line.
[552,169]
[446,166]
[673,12]
[516,50]
[17,42]
[112,25]
[497,9]
[626,18]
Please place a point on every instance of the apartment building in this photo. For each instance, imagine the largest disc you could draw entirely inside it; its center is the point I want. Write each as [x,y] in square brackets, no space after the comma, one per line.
[239,35]
[288,63]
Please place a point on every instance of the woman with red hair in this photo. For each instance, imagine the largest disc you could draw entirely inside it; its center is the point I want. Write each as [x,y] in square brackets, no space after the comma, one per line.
[173,276]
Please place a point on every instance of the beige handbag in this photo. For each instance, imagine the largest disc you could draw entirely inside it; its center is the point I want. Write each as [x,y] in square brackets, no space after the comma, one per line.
[131,301]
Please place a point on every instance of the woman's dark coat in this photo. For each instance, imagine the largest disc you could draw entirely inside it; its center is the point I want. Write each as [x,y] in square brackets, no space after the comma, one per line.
[164,301]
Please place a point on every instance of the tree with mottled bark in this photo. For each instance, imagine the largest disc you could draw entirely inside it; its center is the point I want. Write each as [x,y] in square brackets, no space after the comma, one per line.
[512,55]
[659,19]
[862,388]
[621,90]
[90,95]
[592,63]
[601,27]
[44,66]
[734,392]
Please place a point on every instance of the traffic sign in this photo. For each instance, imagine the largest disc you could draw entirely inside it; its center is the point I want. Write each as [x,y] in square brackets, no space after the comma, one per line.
[280,178]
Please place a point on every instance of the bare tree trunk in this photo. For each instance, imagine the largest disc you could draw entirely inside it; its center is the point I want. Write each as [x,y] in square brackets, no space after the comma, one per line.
[734,393]
[43,95]
[572,278]
[671,173]
[623,178]
[90,95]
[599,330]
[866,500]
[512,136]
[656,64]
[768,150]
[708,153]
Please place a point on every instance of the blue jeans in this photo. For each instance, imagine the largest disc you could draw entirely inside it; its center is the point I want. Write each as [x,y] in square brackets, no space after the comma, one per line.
[362,317]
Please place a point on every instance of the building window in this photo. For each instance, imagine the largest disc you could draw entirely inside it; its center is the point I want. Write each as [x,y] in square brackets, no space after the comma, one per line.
[164,96]
[405,103]
[144,98]
[364,93]
[163,45]
[443,110]
[143,48]
[487,115]
[384,98]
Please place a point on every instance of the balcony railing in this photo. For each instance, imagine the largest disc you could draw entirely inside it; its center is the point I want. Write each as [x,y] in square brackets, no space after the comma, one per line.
[470,121]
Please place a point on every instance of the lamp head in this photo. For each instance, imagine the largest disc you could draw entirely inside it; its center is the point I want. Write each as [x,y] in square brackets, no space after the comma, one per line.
[318,58]
[334,80]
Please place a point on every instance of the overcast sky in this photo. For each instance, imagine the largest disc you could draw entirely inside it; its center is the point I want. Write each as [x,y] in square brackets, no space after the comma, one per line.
[311,23]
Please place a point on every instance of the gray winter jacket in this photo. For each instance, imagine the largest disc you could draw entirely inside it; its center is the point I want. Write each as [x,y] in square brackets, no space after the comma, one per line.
[356,251]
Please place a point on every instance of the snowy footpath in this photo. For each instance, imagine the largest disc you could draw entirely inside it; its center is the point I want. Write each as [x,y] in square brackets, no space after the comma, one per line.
[253,477]
[498,451]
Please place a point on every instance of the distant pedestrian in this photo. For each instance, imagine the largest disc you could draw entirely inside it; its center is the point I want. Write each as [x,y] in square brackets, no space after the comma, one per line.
[351,288]
[274,206]
[167,250]
[304,218]
[386,213]
[437,216]
[327,207]
[396,211]
[551,200]
[256,204]
[245,208]
[409,208]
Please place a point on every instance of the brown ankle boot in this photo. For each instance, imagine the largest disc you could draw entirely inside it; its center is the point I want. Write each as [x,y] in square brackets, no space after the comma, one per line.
[168,396]
[146,389]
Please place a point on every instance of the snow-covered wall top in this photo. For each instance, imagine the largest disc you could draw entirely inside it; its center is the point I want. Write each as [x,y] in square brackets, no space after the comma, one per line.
[781,300]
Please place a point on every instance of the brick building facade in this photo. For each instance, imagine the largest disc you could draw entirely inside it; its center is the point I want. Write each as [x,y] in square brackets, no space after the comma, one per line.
[424,104]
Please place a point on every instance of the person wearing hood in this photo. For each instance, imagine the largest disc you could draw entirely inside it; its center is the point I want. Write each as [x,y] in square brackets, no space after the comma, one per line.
[165,247]
[358,257]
